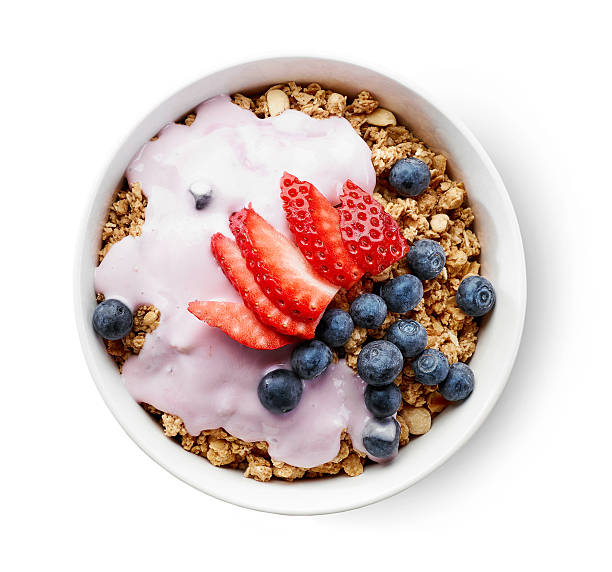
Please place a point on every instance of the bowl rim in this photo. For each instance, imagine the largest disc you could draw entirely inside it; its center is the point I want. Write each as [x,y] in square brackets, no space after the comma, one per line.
[340,505]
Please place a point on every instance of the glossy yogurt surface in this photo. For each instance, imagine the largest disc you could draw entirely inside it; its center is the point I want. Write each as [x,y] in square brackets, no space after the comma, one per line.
[186,367]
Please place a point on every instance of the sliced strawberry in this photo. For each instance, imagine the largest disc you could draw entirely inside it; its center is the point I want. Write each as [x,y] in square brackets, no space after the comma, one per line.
[315,223]
[229,257]
[370,234]
[239,323]
[279,268]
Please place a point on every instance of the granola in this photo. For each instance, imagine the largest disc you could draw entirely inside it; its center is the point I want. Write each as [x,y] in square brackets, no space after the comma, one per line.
[441,213]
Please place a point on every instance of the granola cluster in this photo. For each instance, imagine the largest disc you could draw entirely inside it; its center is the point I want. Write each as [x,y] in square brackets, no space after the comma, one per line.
[440,213]
[126,216]
[146,319]
[224,450]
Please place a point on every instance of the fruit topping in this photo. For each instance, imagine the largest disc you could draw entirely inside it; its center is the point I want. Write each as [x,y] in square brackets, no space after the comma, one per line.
[335,327]
[280,391]
[112,319]
[280,268]
[370,235]
[475,296]
[409,177]
[426,259]
[459,383]
[368,311]
[239,323]
[383,401]
[409,336]
[431,367]
[310,359]
[315,223]
[403,293]
[381,437]
[202,194]
[379,362]
[229,257]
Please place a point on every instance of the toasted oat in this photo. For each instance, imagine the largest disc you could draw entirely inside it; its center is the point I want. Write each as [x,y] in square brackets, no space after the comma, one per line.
[353,465]
[336,104]
[440,213]
[286,471]
[259,468]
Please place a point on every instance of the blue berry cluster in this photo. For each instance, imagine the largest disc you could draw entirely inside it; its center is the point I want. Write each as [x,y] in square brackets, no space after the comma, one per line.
[381,361]
[280,390]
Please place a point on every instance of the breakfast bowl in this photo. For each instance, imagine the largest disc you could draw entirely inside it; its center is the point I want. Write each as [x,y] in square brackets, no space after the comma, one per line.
[501,257]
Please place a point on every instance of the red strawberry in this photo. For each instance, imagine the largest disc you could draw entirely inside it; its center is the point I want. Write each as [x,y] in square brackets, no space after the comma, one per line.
[370,234]
[228,255]
[315,223]
[279,267]
[239,323]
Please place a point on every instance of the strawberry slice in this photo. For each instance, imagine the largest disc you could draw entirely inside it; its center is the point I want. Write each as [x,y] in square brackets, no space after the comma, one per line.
[229,257]
[315,223]
[279,267]
[239,323]
[371,236]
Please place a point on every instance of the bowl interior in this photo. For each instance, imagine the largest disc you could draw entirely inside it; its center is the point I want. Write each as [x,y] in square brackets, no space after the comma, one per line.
[502,262]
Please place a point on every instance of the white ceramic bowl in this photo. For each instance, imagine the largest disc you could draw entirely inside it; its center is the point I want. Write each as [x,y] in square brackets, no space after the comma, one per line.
[502,262]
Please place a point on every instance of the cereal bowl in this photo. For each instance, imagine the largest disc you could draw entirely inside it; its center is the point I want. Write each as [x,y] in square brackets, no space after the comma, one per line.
[502,261]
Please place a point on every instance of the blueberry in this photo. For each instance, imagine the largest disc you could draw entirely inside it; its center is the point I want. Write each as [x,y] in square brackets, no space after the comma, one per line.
[459,383]
[202,194]
[112,319]
[379,362]
[310,359]
[335,327]
[383,401]
[475,296]
[280,391]
[368,311]
[409,336]
[431,367]
[201,201]
[403,293]
[409,177]
[426,259]
[381,437]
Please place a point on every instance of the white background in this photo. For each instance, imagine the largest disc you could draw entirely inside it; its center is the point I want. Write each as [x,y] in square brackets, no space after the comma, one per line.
[530,490]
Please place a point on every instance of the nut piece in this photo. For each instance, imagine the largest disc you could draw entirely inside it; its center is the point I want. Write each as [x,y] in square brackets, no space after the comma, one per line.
[439,223]
[381,118]
[277,101]
[418,419]
[149,318]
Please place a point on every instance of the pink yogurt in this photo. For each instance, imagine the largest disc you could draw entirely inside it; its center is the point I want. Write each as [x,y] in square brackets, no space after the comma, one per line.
[187,367]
